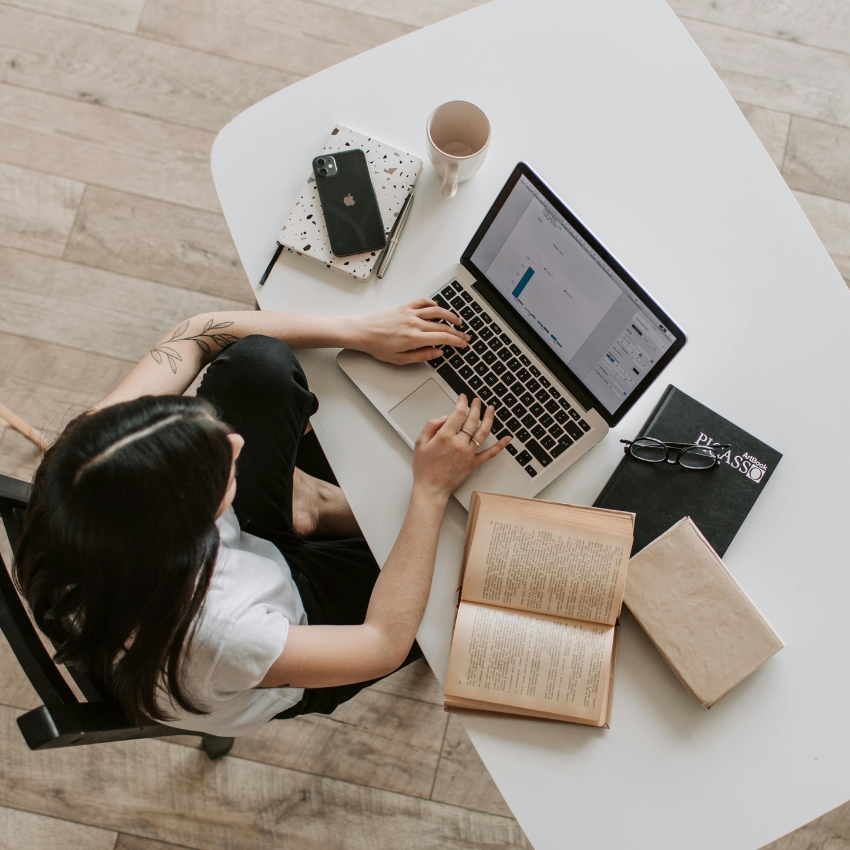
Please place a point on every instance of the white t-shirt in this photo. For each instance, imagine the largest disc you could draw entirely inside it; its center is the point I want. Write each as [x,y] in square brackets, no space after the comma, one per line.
[242,629]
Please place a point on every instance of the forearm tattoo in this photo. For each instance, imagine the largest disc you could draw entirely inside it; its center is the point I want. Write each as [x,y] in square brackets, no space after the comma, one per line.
[205,340]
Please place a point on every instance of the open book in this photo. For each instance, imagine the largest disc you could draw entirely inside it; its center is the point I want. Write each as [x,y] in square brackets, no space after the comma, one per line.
[541,589]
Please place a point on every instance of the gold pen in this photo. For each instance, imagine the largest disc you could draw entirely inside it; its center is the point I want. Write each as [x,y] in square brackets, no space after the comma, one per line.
[395,233]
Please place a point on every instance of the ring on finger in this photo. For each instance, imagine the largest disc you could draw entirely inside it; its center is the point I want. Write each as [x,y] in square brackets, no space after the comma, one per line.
[471,436]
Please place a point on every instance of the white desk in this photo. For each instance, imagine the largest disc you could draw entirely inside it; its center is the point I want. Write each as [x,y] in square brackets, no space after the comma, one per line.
[613,104]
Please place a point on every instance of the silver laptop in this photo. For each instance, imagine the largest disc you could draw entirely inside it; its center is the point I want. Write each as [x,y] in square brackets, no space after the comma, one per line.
[563,342]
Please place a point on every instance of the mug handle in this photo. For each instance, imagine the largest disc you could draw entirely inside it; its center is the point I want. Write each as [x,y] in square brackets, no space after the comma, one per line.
[449,189]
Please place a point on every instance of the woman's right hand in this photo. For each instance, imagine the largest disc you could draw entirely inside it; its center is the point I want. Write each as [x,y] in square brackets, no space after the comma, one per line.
[445,453]
[411,333]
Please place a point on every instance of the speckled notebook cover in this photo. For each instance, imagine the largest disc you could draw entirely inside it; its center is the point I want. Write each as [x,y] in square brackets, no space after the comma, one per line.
[394,174]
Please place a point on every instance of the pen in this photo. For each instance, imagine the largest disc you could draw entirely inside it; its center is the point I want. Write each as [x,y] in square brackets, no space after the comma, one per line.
[270,266]
[395,233]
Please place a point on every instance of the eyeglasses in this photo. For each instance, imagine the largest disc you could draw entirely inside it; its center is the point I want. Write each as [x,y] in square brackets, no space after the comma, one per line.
[689,455]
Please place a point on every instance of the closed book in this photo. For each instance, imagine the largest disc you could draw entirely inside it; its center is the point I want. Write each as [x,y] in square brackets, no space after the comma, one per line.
[717,499]
[696,614]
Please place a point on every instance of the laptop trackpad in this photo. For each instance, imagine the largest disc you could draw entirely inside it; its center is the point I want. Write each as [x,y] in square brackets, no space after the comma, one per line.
[427,402]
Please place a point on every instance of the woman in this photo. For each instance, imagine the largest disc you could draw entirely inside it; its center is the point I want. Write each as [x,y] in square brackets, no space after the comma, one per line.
[213,607]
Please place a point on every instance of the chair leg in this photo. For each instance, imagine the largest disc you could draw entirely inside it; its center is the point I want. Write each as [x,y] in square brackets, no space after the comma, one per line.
[216,747]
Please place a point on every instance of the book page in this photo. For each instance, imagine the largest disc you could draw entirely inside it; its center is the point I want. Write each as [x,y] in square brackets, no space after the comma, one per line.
[558,667]
[543,565]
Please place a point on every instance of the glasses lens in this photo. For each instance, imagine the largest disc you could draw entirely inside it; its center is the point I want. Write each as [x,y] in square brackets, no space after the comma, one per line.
[648,450]
[698,457]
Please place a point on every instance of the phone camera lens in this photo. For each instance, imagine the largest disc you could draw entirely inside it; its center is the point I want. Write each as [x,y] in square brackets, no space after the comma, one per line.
[320,162]
[323,172]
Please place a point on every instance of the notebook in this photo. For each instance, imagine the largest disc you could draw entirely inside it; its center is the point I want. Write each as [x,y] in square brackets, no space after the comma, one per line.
[660,494]
[696,614]
[394,175]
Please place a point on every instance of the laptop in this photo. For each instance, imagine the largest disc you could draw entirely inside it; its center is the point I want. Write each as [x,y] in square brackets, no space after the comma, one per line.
[563,341]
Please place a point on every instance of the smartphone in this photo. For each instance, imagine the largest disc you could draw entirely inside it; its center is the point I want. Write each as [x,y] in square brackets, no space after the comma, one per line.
[349,203]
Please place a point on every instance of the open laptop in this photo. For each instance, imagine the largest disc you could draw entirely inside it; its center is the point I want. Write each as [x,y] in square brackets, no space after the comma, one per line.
[563,342]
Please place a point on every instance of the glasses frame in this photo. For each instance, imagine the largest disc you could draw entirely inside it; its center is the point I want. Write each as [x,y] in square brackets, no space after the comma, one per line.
[673,452]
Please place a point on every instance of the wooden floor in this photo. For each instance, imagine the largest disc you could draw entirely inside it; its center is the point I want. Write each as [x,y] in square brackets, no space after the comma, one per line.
[110,232]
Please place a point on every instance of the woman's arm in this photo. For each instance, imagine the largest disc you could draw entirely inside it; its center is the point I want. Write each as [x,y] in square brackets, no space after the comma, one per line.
[405,334]
[325,656]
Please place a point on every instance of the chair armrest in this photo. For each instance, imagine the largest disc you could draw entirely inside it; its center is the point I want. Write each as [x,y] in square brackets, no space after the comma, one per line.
[14,497]
[46,728]
[15,491]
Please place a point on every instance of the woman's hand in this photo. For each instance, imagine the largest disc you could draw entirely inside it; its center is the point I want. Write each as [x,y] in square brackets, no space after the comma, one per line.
[447,450]
[407,334]
[326,656]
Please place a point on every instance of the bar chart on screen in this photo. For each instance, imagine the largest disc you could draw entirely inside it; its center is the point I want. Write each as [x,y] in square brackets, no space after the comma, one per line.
[523,282]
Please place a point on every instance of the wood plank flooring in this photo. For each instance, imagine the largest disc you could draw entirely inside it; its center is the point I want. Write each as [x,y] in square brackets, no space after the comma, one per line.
[156,240]
[144,76]
[110,231]
[24,830]
[297,36]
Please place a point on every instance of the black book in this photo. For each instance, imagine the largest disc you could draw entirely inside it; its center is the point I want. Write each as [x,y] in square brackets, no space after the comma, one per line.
[660,494]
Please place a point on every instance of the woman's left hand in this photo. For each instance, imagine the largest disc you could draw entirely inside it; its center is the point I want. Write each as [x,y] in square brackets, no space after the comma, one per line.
[408,334]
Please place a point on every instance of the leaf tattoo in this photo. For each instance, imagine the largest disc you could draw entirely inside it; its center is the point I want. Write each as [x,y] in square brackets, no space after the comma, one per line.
[202,340]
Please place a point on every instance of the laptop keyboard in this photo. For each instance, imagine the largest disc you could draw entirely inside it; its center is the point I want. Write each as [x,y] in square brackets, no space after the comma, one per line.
[493,368]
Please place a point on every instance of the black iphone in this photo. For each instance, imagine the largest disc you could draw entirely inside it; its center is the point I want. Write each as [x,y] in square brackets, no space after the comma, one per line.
[349,203]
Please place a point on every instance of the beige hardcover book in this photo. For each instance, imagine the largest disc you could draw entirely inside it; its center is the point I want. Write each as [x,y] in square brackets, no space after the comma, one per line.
[541,589]
[696,614]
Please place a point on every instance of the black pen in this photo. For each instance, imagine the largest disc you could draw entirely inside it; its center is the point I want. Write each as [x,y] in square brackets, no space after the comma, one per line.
[270,266]
[395,233]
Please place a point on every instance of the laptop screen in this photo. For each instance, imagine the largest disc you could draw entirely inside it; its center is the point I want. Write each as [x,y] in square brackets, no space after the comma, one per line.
[601,325]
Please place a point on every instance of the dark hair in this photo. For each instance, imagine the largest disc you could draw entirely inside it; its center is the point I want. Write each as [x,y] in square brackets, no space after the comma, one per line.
[119,543]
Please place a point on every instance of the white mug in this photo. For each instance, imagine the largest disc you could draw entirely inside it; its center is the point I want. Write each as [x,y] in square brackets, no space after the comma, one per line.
[458,137]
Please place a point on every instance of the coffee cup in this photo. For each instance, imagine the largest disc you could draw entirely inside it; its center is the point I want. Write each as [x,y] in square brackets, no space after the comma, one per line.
[458,137]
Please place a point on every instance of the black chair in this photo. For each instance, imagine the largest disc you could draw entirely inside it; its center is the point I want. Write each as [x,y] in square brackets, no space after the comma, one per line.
[63,721]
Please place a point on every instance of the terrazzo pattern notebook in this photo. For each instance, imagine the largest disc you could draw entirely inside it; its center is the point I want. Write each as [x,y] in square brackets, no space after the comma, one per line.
[394,175]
